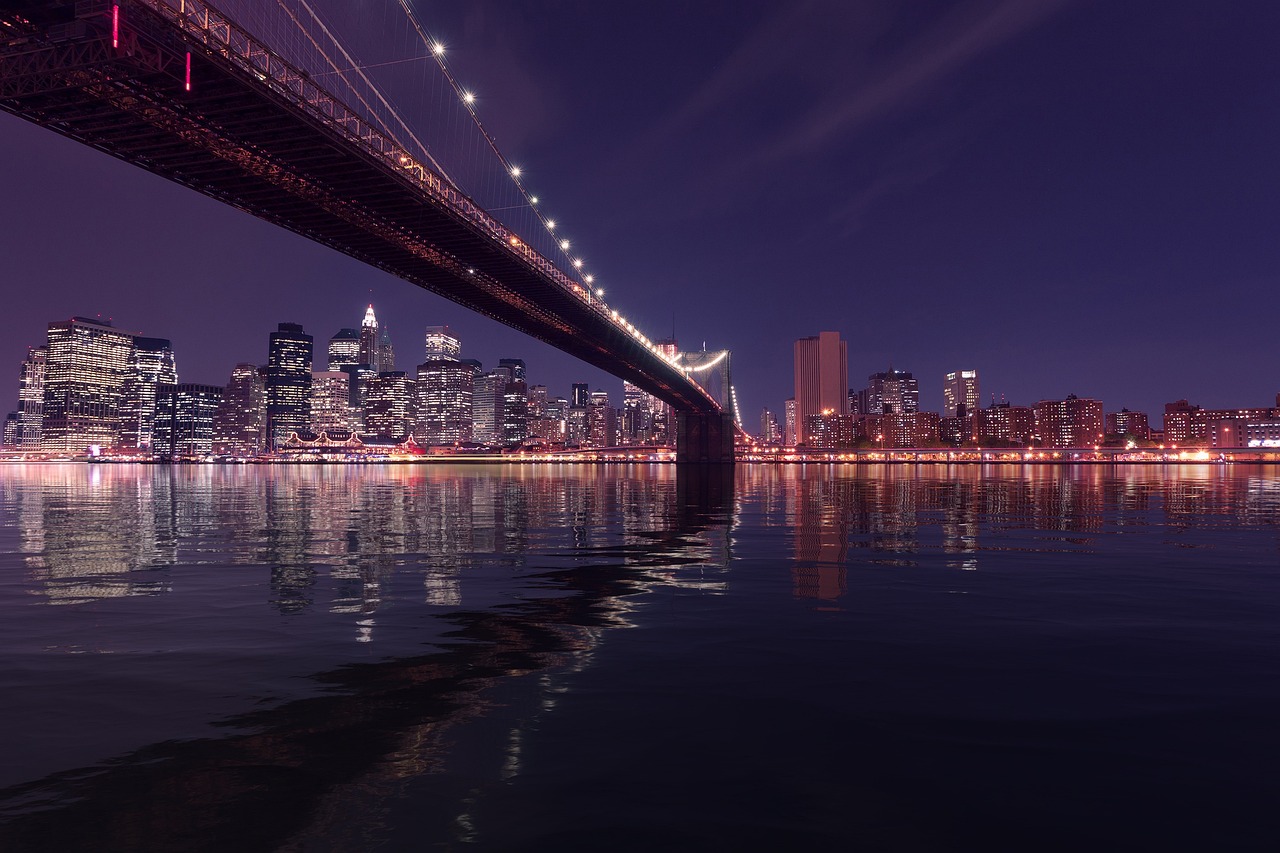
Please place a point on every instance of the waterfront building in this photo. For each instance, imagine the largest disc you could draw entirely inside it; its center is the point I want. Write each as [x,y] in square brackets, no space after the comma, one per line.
[1005,424]
[1073,422]
[288,383]
[552,422]
[909,429]
[829,431]
[1245,432]
[789,430]
[239,425]
[388,411]
[1125,422]
[821,378]
[331,402]
[442,344]
[184,420]
[344,349]
[12,436]
[31,398]
[891,392]
[1190,425]
[577,433]
[444,392]
[151,365]
[636,418]
[960,394]
[87,362]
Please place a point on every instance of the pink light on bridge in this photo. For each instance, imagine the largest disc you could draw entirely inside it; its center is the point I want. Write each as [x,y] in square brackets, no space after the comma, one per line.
[188,71]
[115,25]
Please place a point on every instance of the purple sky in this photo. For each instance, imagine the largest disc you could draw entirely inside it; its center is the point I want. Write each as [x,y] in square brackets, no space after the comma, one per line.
[1069,196]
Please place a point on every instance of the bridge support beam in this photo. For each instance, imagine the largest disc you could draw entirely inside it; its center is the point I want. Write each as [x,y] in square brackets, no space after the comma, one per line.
[706,439]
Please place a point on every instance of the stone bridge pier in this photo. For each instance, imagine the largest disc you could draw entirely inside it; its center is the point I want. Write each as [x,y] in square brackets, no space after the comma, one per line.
[706,439]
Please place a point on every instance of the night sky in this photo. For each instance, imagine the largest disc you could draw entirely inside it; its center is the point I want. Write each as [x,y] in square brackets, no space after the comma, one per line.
[1070,197]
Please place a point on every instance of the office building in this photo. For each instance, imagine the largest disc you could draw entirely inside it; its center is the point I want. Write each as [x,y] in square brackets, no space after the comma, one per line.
[388,408]
[515,413]
[444,392]
[331,410]
[31,398]
[789,428]
[1003,424]
[369,339]
[239,425]
[769,432]
[1126,423]
[288,383]
[1190,425]
[184,422]
[891,392]
[151,364]
[487,403]
[601,426]
[960,394]
[344,349]
[87,362]
[821,378]
[386,352]
[442,344]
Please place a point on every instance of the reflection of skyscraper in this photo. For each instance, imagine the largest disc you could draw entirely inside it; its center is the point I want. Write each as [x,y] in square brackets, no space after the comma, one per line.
[288,382]
[87,363]
[821,378]
[151,365]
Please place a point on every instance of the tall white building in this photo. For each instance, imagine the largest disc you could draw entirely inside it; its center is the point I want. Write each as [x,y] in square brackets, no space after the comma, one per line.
[31,398]
[960,388]
[85,371]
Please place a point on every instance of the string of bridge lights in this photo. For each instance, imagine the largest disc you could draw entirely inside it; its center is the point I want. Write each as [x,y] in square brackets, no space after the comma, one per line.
[468,99]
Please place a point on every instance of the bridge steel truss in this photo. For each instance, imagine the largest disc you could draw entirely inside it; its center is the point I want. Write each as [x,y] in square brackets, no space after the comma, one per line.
[175,87]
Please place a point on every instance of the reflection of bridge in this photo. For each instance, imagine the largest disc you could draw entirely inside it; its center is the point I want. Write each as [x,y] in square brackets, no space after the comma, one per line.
[175,87]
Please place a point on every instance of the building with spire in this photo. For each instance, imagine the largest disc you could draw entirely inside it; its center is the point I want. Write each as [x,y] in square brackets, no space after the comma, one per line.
[369,339]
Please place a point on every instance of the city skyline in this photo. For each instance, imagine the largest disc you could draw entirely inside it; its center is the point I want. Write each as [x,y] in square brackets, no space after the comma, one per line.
[973,277]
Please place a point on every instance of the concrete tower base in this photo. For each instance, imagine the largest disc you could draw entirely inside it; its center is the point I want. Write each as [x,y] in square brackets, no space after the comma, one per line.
[705,439]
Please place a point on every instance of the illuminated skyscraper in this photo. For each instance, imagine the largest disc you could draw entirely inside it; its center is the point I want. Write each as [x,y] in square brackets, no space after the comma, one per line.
[442,344]
[821,378]
[369,339]
[344,349]
[444,393]
[87,363]
[789,428]
[894,392]
[388,406]
[239,425]
[184,420]
[487,406]
[151,364]
[331,401]
[960,389]
[386,352]
[31,398]
[288,383]
[769,432]
[515,413]
[601,420]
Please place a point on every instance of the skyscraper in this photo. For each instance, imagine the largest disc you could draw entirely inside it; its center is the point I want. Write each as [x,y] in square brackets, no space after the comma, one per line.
[892,392]
[821,378]
[386,352]
[388,407]
[288,383]
[487,405]
[442,344]
[239,424]
[444,393]
[151,364]
[86,366]
[960,389]
[515,413]
[344,349]
[369,339]
[601,420]
[184,420]
[331,401]
[31,398]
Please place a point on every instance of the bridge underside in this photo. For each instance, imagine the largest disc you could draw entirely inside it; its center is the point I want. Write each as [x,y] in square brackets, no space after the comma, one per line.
[258,141]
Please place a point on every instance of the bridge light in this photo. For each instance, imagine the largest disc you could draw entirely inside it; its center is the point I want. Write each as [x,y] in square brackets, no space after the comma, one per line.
[533,199]
[115,25]
[589,279]
[437,49]
[564,244]
[599,292]
[468,98]
[515,171]
[551,225]
[577,262]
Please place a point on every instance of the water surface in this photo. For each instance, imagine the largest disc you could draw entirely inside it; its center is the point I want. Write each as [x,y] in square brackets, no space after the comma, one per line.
[615,657]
